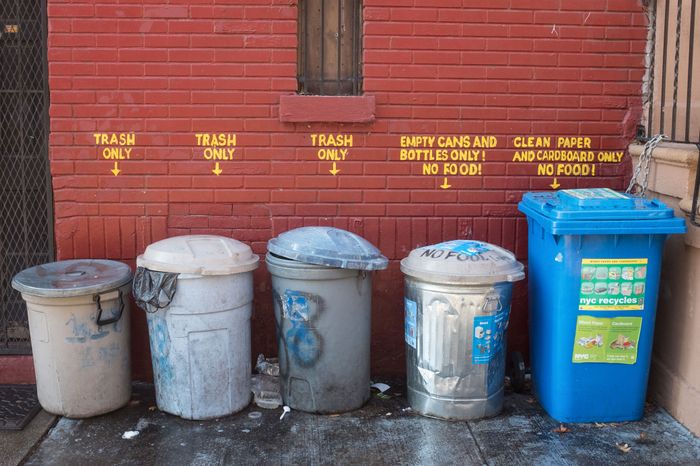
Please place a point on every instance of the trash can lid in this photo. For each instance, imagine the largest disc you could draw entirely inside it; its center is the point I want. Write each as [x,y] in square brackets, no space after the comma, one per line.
[199,254]
[582,211]
[78,277]
[463,262]
[328,246]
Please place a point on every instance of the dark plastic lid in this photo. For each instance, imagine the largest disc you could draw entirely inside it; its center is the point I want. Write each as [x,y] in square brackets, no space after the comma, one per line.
[600,210]
[328,246]
[72,278]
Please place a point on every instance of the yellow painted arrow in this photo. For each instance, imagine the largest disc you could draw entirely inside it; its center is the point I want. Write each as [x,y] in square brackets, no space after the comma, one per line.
[217,170]
[116,169]
[555,185]
[335,170]
[444,184]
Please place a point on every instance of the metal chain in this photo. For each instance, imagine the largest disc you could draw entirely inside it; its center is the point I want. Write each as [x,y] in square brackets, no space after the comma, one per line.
[643,167]
[651,51]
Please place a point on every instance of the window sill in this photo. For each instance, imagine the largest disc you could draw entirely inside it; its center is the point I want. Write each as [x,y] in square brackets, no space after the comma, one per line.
[296,108]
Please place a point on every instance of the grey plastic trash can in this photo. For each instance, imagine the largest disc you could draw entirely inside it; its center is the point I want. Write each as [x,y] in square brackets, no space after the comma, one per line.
[79,326]
[322,293]
[200,336]
[457,304]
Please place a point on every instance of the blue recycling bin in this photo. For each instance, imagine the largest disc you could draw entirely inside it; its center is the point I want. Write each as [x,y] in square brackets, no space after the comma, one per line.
[594,261]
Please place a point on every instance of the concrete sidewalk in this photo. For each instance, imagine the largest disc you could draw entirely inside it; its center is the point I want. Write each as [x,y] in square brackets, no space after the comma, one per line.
[383,432]
[16,444]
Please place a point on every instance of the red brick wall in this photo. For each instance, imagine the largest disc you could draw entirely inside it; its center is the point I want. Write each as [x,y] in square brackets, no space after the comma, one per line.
[478,67]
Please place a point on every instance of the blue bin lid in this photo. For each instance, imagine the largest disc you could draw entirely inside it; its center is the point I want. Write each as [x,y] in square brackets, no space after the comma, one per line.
[599,211]
[328,246]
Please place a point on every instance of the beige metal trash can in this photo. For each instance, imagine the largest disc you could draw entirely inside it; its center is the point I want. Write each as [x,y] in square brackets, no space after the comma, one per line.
[79,325]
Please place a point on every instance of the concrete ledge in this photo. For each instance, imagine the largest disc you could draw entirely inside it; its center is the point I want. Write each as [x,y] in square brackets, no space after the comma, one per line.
[676,394]
[671,152]
[672,170]
[674,381]
[296,108]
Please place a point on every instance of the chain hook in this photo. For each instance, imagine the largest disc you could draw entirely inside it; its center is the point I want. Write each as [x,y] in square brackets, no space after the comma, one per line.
[637,187]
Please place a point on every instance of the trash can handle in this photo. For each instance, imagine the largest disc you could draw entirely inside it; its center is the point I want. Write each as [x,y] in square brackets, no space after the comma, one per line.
[112,319]
[490,298]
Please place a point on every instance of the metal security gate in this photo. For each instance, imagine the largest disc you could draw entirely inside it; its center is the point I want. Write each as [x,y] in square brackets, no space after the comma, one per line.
[674,71]
[26,236]
[673,84]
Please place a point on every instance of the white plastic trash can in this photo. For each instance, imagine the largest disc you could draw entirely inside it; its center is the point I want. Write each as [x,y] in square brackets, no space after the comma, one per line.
[79,326]
[322,293]
[198,291]
[457,305]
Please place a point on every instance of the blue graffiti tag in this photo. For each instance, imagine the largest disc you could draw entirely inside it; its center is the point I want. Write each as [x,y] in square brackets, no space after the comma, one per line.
[110,355]
[87,359]
[81,331]
[470,248]
[160,347]
[302,340]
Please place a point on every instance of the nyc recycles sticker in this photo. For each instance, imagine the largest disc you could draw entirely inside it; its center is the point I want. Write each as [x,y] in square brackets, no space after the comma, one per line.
[613,284]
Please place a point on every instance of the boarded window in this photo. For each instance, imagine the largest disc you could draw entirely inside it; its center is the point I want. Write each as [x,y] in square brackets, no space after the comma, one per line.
[329,47]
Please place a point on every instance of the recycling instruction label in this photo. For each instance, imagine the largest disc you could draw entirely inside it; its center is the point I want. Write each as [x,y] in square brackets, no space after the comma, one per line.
[606,340]
[613,284]
[489,332]
[410,322]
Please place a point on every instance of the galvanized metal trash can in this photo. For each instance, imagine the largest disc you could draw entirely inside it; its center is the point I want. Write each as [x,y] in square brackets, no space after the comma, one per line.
[79,325]
[322,294]
[200,339]
[457,304]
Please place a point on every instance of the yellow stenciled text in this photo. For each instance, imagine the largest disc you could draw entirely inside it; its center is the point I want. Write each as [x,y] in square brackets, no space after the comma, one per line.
[218,153]
[115,146]
[115,139]
[215,139]
[562,156]
[217,146]
[331,140]
[332,147]
[447,155]
[116,153]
